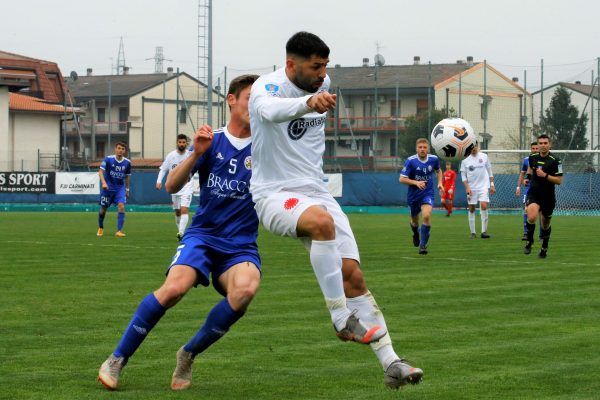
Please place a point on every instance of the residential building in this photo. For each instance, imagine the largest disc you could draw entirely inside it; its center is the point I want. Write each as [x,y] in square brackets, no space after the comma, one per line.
[146,111]
[374,101]
[31,113]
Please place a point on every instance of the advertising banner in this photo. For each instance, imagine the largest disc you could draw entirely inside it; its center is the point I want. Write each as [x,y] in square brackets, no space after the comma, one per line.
[77,183]
[27,182]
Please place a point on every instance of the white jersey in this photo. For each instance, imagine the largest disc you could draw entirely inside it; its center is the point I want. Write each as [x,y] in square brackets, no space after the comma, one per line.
[288,137]
[172,160]
[477,170]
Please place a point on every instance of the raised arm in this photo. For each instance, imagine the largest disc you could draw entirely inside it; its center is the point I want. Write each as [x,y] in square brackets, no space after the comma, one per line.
[270,107]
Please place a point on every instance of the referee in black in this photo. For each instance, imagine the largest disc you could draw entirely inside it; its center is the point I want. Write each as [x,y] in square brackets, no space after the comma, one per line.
[544,173]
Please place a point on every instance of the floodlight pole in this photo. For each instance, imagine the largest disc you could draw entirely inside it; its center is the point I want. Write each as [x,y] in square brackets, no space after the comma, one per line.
[209,85]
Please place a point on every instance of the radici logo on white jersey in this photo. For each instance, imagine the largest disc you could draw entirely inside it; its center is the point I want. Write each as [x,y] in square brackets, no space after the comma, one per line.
[297,128]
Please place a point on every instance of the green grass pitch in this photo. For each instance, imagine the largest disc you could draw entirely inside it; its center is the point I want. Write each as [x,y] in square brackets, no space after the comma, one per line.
[483,320]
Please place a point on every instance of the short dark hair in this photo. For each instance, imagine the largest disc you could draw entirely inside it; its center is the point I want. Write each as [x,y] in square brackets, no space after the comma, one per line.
[544,136]
[534,143]
[182,136]
[306,44]
[240,83]
[121,144]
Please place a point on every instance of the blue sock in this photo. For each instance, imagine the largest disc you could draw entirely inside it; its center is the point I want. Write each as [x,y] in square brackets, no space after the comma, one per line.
[149,312]
[217,323]
[101,220]
[525,223]
[425,234]
[120,221]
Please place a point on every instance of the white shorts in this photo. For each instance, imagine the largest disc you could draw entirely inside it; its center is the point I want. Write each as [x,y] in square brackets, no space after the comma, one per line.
[478,196]
[280,212]
[181,200]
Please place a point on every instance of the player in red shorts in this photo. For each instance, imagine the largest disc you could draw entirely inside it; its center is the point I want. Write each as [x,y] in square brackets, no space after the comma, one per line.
[448,195]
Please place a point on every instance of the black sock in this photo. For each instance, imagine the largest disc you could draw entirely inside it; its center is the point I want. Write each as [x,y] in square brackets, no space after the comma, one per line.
[415,229]
[530,231]
[545,236]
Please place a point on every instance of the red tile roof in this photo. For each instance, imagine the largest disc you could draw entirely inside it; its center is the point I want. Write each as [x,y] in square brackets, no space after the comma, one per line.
[19,102]
[44,76]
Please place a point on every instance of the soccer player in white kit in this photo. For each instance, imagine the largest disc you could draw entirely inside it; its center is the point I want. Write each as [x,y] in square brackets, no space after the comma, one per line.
[478,179]
[288,110]
[182,199]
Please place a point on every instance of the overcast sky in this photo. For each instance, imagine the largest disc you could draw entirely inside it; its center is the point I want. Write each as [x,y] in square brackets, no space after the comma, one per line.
[250,35]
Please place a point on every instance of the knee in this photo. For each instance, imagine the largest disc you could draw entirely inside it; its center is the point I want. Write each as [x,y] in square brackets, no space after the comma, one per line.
[240,297]
[426,219]
[323,227]
[170,293]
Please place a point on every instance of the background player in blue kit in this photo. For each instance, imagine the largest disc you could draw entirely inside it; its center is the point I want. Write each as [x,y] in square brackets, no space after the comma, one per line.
[524,166]
[418,174]
[115,172]
[220,243]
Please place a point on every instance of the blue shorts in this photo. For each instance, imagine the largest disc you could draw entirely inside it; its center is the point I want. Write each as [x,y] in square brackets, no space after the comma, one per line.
[415,204]
[109,197]
[213,256]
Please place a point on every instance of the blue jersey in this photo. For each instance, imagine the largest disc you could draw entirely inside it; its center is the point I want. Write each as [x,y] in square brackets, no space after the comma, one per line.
[524,167]
[418,170]
[115,172]
[226,209]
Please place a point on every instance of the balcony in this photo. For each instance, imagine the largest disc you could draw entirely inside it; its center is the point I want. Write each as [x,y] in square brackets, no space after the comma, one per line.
[101,128]
[365,124]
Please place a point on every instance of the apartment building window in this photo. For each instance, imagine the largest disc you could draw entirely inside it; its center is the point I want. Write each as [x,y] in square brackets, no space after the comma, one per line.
[393,147]
[422,106]
[101,113]
[123,114]
[182,115]
[395,108]
[484,102]
[368,113]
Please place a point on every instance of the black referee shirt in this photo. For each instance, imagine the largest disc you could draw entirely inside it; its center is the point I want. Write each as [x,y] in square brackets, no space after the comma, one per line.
[551,165]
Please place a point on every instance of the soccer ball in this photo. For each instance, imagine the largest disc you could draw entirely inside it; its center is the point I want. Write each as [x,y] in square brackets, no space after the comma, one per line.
[453,139]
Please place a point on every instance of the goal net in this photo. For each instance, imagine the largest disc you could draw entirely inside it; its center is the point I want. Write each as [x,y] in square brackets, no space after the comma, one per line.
[579,194]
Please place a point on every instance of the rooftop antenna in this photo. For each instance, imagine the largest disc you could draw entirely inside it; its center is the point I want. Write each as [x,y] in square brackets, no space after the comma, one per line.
[121,59]
[158,59]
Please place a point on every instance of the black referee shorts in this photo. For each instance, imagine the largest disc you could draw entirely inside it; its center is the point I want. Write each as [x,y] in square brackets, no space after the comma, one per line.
[546,203]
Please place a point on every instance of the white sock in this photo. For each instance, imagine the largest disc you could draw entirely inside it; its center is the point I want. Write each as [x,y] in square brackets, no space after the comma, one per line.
[183,220]
[177,219]
[327,264]
[472,221]
[369,312]
[484,220]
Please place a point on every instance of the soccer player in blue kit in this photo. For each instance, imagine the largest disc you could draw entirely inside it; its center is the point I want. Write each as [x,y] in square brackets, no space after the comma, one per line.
[115,172]
[418,174]
[221,241]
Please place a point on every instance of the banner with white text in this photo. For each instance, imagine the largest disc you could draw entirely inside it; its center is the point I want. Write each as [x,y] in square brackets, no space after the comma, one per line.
[27,182]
